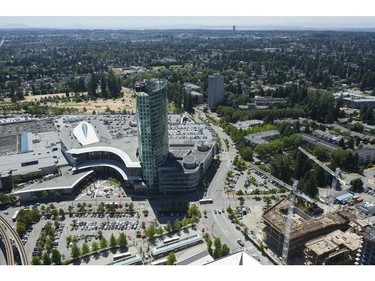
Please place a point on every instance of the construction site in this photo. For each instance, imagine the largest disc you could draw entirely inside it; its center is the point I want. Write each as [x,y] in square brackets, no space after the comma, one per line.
[303,228]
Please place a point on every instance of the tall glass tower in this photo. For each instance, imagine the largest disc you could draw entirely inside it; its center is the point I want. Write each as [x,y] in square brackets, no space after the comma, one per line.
[152,123]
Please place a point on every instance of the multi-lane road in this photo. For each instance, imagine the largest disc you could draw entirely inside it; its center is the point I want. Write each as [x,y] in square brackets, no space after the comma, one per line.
[218,224]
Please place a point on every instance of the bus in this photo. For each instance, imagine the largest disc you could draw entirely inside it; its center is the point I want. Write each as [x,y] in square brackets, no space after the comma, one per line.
[160,262]
[14,218]
[206,201]
[169,240]
[120,256]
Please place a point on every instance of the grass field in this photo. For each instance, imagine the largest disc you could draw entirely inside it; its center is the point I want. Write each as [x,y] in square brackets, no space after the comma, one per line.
[157,67]
[128,102]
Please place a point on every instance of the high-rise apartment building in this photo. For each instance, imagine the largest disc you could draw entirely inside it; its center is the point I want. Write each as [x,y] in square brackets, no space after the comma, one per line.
[152,123]
[215,90]
[366,255]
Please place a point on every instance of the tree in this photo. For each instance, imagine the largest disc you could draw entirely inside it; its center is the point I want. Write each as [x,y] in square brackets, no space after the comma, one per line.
[103,243]
[49,244]
[121,241]
[112,241]
[280,167]
[55,256]
[177,224]
[217,251]
[85,249]
[75,251]
[184,222]
[159,231]
[46,259]
[131,208]
[209,247]
[95,246]
[36,261]
[54,213]
[225,250]
[45,194]
[357,185]
[171,259]
[150,231]
[62,213]
[93,84]
[168,227]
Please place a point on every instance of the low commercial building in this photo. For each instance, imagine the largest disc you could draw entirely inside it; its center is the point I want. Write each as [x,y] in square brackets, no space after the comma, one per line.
[258,100]
[356,100]
[262,137]
[243,125]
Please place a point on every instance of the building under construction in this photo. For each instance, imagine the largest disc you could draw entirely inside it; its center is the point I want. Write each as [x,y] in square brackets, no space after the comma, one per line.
[304,228]
[335,248]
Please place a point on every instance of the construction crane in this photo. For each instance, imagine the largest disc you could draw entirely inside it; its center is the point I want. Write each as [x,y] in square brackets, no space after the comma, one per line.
[335,175]
[288,225]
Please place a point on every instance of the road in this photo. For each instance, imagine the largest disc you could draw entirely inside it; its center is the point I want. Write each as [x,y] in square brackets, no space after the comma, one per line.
[219,225]
[2,41]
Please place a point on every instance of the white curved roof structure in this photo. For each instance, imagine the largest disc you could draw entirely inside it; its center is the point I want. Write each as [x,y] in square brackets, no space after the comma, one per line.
[127,161]
[85,133]
[121,169]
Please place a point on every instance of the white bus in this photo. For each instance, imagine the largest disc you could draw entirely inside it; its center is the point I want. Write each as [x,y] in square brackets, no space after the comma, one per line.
[120,256]
[160,262]
[14,218]
[206,201]
[169,240]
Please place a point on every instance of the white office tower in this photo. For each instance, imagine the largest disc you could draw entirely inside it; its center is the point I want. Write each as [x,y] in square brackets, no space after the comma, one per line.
[215,90]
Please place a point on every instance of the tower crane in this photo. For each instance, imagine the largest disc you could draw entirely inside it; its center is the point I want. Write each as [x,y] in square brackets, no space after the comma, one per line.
[288,225]
[335,175]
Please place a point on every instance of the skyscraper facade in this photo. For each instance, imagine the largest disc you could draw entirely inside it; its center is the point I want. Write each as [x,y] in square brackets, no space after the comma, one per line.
[366,255]
[215,90]
[152,123]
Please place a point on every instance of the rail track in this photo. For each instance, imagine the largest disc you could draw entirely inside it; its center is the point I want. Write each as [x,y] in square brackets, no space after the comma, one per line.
[5,227]
[8,245]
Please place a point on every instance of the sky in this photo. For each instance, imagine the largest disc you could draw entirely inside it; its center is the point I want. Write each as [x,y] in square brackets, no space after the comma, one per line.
[147,14]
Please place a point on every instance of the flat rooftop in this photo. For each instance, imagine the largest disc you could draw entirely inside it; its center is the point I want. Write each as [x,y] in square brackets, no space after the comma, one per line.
[46,153]
[66,181]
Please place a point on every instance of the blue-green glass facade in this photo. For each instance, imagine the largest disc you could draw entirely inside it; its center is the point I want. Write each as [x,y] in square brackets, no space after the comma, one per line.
[152,122]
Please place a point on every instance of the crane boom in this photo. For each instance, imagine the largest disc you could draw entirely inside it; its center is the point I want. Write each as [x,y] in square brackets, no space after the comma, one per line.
[312,157]
[336,174]
[288,225]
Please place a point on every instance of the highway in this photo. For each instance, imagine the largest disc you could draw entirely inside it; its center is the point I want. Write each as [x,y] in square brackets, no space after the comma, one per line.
[18,243]
[2,41]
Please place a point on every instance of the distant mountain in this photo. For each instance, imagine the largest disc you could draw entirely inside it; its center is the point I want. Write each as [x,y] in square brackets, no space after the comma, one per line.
[14,26]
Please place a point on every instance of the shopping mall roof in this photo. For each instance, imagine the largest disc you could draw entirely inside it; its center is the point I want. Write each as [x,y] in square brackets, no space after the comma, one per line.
[67,180]
[85,133]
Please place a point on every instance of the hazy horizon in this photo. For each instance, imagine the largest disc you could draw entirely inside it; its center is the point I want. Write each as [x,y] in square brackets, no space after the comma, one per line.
[187,22]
